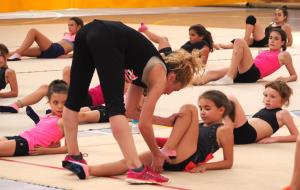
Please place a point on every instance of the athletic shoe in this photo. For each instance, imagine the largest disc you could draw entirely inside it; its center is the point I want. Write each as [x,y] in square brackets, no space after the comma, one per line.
[14,59]
[143,27]
[147,176]
[81,170]
[72,158]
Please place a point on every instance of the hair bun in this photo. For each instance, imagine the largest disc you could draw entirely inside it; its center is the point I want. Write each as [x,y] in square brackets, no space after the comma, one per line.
[284,7]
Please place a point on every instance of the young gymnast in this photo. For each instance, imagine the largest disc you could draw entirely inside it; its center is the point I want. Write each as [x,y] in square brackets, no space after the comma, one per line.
[295,182]
[254,34]
[243,69]
[46,48]
[193,142]
[200,39]
[7,75]
[44,137]
[111,47]
[268,120]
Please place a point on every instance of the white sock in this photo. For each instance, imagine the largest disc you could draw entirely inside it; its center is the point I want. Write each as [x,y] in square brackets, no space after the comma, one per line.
[226,80]
[15,55]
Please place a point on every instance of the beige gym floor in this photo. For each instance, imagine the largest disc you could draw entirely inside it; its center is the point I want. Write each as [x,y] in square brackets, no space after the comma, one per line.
[255,166]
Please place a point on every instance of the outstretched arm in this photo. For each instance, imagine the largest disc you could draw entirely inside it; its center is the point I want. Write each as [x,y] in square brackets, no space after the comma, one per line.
[11,78]
[286,59]
[225,136]
[288,121]
[49,150]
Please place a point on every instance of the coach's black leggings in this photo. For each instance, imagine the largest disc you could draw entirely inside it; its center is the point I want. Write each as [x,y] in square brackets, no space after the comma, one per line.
[96,48]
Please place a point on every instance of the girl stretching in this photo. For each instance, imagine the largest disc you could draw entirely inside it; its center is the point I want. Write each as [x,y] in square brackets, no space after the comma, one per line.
[45,136]
[200,39]
[255,36]
[243,69]
[7,75]
[268,120]
[193,142]
[46,48]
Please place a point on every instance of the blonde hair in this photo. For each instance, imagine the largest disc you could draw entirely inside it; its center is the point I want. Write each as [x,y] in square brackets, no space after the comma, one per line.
[185,65]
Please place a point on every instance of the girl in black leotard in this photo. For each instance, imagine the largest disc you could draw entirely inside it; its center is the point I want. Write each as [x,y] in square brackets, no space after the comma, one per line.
[7,76]
[256,36]
[268,120]
[199,39]
[193,143]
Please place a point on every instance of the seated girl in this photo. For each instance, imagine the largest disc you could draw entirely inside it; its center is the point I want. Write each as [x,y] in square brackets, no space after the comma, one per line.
[200,39]
[243,69]
[46,48]
[255,36]
[190,144]
[7,75]
[267,120]
[45,136]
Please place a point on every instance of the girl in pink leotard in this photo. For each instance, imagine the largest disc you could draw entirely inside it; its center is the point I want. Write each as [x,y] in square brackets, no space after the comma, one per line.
[244,69]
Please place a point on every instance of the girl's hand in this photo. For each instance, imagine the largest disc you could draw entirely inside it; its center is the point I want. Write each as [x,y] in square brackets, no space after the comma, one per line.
[266,140]
[38,150]
[198,169]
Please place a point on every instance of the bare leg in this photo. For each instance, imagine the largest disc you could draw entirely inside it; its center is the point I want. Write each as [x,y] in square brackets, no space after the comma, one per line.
[182,125]
[209,76]
[241,59]
[34,35]
[122,134]
[185,144]
[70,120]
[295,183]
[88,116]
[34,97]
[162,41]
[7,147]
[66,74]
[253,32]
[118,167]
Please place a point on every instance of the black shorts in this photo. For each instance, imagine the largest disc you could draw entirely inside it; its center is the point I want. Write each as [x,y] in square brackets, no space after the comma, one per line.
[252,75]
[54,51]
[261,43]
[22,147]
[166,51]
[245,134]
[195,158]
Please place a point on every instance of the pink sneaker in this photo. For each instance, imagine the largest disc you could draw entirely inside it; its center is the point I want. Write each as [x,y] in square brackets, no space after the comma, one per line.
[72,158]
[143,27]
[147,176]
[81,170]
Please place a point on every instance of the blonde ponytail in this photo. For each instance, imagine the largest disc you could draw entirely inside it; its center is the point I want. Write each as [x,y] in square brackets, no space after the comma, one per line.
[185,65]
